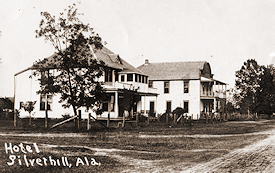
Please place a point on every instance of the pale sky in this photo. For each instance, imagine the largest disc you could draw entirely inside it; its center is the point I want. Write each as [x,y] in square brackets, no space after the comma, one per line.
[223,32]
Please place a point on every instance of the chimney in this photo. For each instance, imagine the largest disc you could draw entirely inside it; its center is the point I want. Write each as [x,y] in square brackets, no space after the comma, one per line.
[146,62]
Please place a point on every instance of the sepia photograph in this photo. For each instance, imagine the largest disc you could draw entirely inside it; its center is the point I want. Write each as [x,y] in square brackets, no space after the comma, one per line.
[137,86]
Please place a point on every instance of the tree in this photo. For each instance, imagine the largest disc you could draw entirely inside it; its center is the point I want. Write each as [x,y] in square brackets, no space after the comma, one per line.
[266,92]
[29,107]
[6,105]
[76,69]
[247,83]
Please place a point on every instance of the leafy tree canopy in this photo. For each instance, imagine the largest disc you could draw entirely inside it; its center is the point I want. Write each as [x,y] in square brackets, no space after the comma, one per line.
[266,92]
[77,70]
[247,83]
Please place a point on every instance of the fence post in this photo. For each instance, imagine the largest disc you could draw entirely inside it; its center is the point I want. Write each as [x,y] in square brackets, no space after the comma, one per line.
[167,118]
[14,117]
[78,119]
[148,120]
[88,121]
[206,118]
[182,117]
[123,121]
[158,119]
[108,120]
[175,118]
[137,118]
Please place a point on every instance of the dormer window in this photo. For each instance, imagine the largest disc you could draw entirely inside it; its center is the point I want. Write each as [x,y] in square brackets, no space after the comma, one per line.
[108,75]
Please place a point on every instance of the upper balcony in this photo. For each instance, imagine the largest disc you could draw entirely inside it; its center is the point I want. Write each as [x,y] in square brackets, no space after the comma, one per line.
[211,89]
[141,87]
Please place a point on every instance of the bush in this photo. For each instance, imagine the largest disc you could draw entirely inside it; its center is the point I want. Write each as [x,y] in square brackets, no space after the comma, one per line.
[66,116]
[179,111]
[162,117]
[141,117]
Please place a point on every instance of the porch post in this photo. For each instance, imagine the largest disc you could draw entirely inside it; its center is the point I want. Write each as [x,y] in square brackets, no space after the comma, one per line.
[14,110]
[156,109]
[116,103]
[144,104]
[215,101]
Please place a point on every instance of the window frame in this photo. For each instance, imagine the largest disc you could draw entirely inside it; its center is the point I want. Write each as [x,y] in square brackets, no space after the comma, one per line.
[122,77]
[186,101]
[150,84]
[186,86]
[168,101]
[46,100]
[130,77]
[166,87]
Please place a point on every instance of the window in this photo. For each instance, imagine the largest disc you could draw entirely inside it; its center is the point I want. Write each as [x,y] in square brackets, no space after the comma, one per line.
[168,106]
[122,78]
[150,85]
[146,79]
[44,76]
[129,77]
[152,109]
[142,79]
[186,87]
[105,106]
[112,102]
[45,101]
[186,106]
[116,76]
[108,75]
[166,86]
[136,77]
[42,102]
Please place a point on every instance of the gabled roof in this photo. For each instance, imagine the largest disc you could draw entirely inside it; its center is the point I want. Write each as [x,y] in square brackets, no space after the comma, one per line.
[115,61]
[111,60]
[174,70]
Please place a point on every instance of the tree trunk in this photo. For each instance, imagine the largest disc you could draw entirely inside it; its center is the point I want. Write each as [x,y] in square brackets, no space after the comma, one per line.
[30,120]
[46,117]
[76,121]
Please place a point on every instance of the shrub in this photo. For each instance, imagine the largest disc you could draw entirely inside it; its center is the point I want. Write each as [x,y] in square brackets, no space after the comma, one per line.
[66,116]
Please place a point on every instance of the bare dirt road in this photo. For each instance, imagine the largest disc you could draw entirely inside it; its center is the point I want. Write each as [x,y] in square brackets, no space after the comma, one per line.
[258,157]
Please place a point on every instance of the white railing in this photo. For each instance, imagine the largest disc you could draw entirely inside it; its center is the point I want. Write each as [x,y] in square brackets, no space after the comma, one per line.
[141,87]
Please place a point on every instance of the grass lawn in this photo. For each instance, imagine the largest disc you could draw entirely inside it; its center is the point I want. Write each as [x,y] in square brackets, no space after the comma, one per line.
[126,149]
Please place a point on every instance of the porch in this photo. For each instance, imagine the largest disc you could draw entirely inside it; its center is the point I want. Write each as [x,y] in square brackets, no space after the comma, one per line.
[124,102]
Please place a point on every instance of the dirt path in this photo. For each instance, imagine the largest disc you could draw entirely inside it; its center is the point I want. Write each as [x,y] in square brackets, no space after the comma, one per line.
[259,157]
[140,135]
